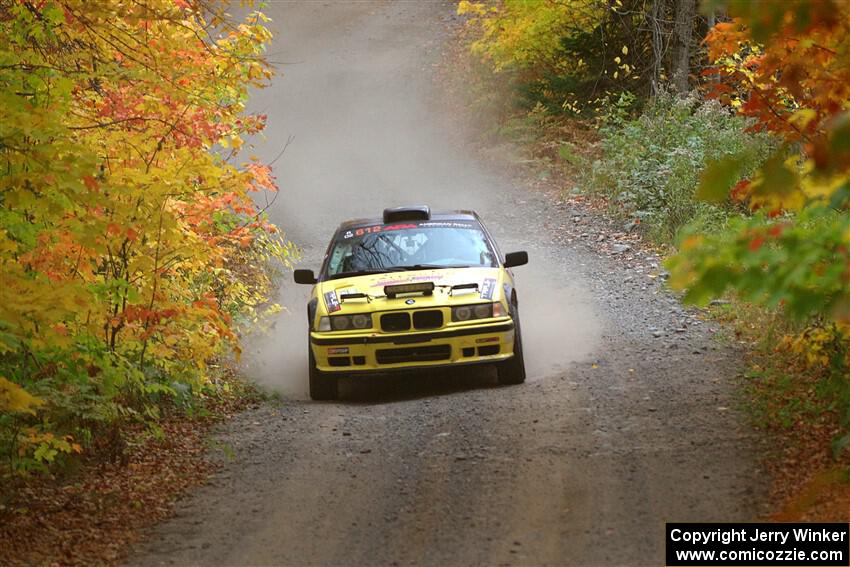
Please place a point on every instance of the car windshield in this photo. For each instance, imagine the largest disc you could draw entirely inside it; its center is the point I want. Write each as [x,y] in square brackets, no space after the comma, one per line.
[409,246]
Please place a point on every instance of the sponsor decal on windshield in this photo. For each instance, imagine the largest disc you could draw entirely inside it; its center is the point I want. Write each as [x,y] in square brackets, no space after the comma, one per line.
[364,230]
[446,224]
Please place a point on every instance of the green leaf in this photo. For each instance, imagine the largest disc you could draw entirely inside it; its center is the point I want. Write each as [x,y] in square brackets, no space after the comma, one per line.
[719,177]
[45,453]
[777,179]
[840,444]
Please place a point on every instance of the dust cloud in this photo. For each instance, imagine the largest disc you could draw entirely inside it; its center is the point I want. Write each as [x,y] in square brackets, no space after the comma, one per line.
[356,98]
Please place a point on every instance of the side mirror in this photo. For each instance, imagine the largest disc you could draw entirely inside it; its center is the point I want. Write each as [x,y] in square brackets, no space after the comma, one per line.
[516,259]
[304,277]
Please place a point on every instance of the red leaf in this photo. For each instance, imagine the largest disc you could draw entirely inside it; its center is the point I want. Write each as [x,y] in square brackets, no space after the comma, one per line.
[91,182]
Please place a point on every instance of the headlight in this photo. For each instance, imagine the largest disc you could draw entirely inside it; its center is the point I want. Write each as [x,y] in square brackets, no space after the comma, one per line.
[462,313]
[482,311]
[471,312]
[345,322]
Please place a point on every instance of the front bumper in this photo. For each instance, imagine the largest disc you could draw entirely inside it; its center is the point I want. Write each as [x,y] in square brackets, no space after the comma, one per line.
[380,352]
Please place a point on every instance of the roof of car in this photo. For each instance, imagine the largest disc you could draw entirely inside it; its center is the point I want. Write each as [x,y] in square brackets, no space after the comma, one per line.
[444,216]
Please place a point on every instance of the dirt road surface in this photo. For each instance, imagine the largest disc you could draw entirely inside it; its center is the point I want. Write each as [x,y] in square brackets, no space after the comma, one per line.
[627,420]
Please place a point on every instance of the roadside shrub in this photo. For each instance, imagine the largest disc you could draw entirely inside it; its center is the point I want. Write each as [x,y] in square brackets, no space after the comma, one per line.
[650,165]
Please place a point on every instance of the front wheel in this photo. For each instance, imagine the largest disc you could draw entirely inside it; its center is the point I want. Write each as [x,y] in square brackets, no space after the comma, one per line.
[512,371]
[323,386]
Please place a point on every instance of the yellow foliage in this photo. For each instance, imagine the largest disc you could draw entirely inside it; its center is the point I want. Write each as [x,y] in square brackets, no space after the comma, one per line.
[15,399]
[467,7]
[127,242]
[108,231]
[823,187]
[815,347]
[525,33]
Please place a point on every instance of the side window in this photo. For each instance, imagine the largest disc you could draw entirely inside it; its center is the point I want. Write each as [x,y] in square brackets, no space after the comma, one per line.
[339,253]
[486,255]
[482,254]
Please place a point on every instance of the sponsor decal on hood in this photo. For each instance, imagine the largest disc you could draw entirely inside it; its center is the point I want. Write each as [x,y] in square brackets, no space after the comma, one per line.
[406,280]
[487,288]
[476,282]
[331,302]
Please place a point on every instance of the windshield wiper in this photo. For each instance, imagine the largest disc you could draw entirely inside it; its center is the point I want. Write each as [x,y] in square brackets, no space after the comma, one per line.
[392,269]
[428,267]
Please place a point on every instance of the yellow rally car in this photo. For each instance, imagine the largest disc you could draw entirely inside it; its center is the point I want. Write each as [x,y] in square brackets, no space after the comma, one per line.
[412,290]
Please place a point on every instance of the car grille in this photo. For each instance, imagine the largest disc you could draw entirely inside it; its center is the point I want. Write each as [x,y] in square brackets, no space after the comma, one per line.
[425,319]
[428,319]
[413,354]
[394,322]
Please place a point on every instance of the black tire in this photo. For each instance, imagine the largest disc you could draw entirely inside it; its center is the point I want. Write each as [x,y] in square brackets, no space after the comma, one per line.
[323,386]
[512,371]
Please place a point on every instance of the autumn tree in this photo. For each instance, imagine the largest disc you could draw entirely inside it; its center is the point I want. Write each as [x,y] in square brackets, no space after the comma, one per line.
[787,66]
[127,216]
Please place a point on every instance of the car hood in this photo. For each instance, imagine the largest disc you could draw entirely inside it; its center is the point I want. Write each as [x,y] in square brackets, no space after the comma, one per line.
[487,279]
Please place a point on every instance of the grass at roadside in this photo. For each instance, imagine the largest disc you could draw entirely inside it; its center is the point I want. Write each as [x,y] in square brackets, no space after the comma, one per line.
[48,519]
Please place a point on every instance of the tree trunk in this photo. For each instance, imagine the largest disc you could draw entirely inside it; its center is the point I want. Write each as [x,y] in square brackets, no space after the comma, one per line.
[683,29]
[655,24]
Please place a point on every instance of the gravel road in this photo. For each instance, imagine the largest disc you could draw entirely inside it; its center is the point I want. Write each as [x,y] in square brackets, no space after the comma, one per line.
[628,419]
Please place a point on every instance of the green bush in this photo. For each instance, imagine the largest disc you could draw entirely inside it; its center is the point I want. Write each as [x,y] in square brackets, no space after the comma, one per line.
[650,165]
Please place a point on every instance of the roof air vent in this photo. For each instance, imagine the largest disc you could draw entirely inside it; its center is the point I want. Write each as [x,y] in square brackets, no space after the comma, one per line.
[416,212]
